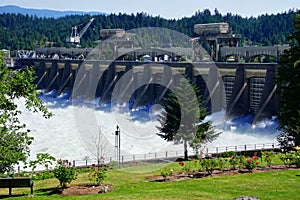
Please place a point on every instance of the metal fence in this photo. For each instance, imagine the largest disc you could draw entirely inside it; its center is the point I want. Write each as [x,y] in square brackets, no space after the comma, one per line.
[166,156]
[173,155]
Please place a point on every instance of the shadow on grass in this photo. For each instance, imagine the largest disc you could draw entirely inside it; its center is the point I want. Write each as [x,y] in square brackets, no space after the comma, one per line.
[13,195]
[48,191]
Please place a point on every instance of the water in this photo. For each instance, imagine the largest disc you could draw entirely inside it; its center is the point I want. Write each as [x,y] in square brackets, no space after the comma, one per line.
[61,137]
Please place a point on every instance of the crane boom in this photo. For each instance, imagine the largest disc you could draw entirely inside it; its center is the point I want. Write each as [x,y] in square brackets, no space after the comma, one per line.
[81,33]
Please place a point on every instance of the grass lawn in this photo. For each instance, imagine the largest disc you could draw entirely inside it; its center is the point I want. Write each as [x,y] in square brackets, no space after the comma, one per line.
[132,183]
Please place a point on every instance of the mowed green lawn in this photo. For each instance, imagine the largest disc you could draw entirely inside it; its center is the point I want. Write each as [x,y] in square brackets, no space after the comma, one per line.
[133,183]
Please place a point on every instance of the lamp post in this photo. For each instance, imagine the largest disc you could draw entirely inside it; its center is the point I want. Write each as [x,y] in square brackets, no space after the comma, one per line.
[118,145]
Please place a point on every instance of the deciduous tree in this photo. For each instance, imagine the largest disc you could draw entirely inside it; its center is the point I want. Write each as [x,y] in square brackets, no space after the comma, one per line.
[14,138]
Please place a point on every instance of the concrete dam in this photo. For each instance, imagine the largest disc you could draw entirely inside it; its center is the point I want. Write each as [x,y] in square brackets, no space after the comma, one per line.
[121,69]
[239,88]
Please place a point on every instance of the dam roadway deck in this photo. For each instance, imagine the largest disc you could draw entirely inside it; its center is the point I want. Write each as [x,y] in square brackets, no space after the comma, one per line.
[240,88]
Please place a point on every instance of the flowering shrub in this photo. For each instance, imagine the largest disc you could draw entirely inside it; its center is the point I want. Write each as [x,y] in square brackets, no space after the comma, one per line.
[268,157]
[222,164]
[97,174]
[186,167]
[166,172]
[297,159]
[209,165]
[287,159]
[234,162]
[181,163]
[291,158]
[64,172]
[251,163]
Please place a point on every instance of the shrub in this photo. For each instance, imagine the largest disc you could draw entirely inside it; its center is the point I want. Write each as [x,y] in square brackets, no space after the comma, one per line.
[210,165]
[166,172]
[222,163]
[97,174]
[268,157]
[297,159]
[287,158]
[241,162]
[251,163]
[234,162]
[64,172]
[257,153]
[227,154]
[186,166]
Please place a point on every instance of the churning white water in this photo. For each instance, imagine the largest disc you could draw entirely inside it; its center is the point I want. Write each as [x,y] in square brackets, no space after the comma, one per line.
[61,137]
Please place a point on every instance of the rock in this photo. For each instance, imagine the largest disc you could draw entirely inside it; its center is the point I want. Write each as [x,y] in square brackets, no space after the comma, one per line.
[246,198]
[104,189]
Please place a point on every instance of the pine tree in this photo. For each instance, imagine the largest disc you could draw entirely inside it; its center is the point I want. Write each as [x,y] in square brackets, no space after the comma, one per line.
[182,118]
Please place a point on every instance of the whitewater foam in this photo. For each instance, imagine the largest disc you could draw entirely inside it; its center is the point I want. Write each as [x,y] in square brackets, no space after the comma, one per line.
[60,135]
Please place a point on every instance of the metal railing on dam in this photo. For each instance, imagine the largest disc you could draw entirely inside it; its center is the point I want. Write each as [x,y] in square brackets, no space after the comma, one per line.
[240,88]
[225,53]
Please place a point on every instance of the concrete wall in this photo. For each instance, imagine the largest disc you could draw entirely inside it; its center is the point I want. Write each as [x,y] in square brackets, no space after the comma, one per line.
[240,88]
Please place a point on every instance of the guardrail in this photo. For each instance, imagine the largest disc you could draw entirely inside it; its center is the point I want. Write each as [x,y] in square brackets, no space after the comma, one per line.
[169,155]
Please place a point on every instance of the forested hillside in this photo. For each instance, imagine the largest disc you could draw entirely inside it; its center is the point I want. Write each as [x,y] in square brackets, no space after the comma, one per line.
[29,32]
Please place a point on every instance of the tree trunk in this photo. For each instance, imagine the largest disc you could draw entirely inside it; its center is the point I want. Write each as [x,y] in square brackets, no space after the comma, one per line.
[185,150]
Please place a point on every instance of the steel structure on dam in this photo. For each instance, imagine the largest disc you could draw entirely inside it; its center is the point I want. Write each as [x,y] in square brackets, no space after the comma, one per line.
[240,88]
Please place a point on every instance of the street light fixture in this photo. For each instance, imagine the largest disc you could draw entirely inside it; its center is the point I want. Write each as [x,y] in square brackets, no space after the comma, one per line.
[118,144]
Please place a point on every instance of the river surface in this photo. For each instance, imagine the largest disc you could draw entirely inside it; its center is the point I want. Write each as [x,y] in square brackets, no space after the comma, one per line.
[62,137]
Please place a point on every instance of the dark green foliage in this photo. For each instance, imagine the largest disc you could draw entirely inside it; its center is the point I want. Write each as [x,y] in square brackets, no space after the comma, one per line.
[227,154]
[182,119]
[29,32]
[288,81]
[14,139]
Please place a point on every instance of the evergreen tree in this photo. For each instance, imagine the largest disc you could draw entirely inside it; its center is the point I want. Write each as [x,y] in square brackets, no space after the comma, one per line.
[29,32]
[288,82]
[182,118]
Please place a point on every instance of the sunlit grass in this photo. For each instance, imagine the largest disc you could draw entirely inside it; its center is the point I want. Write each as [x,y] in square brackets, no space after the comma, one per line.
[133,183]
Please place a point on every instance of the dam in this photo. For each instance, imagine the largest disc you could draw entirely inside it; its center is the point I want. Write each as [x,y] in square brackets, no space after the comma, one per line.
[229,77]
[240,88]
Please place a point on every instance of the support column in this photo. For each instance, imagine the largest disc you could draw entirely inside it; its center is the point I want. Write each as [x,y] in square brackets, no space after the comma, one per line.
[239,101]
[269,103]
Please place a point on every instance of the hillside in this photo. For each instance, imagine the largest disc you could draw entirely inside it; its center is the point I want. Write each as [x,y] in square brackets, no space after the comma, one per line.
[42,12]
[29,32]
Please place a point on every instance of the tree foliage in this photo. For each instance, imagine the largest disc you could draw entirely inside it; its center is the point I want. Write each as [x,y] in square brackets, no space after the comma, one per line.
[14,138]
[29,32]
[288,81]
[182,118]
